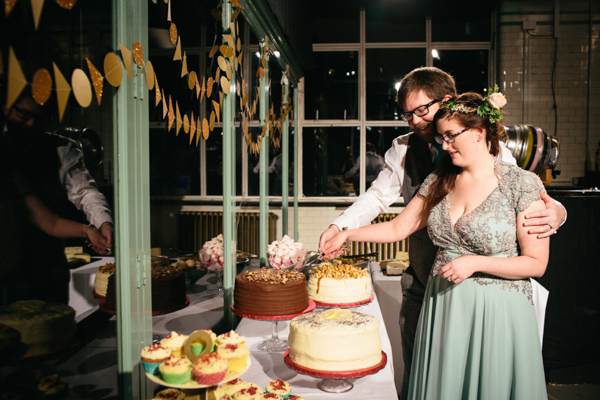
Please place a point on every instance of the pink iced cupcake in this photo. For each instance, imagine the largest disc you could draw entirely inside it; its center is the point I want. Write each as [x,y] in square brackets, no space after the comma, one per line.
[210,369]
[279,387]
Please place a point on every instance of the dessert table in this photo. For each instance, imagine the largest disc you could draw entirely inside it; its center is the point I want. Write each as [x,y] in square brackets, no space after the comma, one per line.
[378,386]
[90,370]
[389,295]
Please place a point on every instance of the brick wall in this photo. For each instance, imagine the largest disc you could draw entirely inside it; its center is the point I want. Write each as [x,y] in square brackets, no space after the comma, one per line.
[528,86]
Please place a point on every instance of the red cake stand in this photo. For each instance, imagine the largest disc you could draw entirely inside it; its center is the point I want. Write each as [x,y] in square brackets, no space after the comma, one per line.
[273,345]
[335,381]
[345,305]
[102,307]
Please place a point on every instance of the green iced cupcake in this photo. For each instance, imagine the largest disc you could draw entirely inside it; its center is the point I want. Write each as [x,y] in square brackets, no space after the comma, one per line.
[176,370]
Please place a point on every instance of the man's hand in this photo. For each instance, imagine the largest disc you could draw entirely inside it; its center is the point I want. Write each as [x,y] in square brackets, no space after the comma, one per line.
[546,222]
[107,230]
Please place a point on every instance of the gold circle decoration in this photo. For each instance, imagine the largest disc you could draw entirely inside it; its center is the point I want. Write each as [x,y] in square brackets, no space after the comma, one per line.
[192,80]
[150,77]
[82,88]
[138,54]
[113,69]
[225,84]
[41,86]
[66,4]
[205,129]
[186,124]
[173,33]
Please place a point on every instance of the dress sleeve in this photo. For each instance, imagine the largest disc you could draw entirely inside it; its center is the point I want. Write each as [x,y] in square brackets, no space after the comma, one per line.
[427,184]
[527,189]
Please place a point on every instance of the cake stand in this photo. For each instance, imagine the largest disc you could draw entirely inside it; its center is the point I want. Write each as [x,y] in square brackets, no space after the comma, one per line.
[335,381]
[273,345]
[345,305]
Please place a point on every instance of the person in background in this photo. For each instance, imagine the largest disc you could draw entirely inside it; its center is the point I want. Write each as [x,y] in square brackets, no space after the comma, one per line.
[373,165]
[409,160]
[52,166]
[477,335]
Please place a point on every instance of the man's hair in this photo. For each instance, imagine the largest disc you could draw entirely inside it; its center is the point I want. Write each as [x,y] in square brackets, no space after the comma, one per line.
[433,81]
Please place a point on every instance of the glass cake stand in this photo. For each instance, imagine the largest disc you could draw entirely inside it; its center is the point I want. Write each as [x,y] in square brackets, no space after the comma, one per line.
[274,344]
[335,381]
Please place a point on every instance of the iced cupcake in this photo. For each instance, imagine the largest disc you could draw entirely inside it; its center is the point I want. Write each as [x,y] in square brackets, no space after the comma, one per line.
[279,387]
[174,342]
[250,393]
[170,394]
[235,385]
[152,356]
[271,396]
[231,337]
[198,347]
[176,370]
[236,355]
[210,369]
[214,393]
[294,397]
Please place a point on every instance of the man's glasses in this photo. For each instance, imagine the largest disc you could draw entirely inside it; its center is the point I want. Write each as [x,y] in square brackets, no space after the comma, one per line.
[25,115]
[420,111]
[449,138]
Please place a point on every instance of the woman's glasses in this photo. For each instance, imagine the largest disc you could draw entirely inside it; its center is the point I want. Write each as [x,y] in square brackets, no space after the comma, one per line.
[449,138]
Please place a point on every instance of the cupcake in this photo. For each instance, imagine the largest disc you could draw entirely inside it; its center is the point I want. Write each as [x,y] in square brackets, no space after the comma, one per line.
[152,356]
[231,337]
[176,370]
[174,342]
[236,355]
[294,397]
[170,394]
[279,387]
[210,369]
[198,347]
[250,393]
[235,385]
[214,393]
[271,396]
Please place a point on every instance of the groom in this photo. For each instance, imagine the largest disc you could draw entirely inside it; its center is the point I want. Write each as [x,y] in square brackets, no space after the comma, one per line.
[407,163]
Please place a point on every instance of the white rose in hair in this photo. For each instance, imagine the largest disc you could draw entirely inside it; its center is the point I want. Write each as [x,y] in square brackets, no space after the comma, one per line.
[497,100]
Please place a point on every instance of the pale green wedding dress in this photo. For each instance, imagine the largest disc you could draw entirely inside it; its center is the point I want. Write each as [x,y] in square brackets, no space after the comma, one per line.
[479,339]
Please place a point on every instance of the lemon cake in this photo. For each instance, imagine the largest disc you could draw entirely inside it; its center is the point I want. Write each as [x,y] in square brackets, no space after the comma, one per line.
[339,283]
[335,340]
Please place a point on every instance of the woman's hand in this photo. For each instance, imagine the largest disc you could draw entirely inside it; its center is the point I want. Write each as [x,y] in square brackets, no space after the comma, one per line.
[460,268]
[334,247]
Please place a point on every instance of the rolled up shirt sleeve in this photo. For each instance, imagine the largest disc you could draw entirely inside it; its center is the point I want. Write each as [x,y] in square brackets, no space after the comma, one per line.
[81,188]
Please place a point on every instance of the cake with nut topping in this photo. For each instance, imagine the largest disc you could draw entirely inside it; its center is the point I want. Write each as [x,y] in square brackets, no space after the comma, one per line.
[335,340]
[339,283]
[270,292]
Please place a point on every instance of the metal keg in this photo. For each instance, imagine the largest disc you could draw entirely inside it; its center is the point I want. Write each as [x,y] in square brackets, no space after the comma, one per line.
[533,148]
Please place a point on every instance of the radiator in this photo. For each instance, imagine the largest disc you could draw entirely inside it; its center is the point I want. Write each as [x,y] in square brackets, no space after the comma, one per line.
[385,251]
[198,227]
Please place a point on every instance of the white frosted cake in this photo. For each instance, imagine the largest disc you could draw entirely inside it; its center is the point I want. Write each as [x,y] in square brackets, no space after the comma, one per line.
[335,340]
[101,279]
[337,283]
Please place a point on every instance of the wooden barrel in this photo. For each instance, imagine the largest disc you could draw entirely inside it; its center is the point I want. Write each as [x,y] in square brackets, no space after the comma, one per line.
[533,148]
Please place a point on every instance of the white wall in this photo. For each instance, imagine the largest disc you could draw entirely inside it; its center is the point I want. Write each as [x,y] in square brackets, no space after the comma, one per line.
[571,77]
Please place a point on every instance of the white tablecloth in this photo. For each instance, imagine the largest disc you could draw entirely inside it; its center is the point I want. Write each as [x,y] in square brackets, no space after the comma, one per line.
[81,287]
[389,294]
[269,366]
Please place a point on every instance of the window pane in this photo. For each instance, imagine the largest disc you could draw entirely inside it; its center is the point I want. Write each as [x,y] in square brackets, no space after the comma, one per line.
[468,67]
[461,27]
[394,22]
[385,68]
[214,163]
[327,156]
[332,22]
[331,89]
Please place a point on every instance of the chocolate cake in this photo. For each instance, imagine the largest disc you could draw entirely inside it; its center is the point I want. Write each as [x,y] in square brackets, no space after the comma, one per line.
[168,289]
[270,292]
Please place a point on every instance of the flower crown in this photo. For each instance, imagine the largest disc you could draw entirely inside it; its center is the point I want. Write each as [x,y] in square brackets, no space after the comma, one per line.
[489,107]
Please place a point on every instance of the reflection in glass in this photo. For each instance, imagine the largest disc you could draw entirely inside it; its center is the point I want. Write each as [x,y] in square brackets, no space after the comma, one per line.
[394,22]
[331,89]
[385,68]
[468,67]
